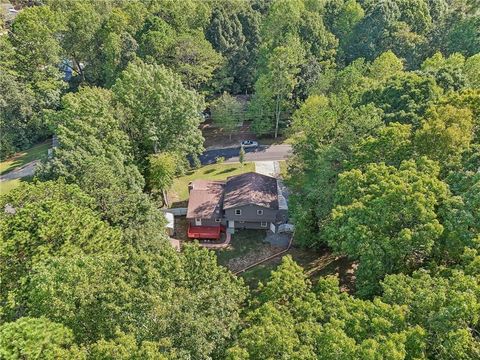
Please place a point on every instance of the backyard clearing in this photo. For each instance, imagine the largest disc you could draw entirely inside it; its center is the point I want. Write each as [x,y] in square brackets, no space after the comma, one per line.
[246,248]
[178,194]
[315,263]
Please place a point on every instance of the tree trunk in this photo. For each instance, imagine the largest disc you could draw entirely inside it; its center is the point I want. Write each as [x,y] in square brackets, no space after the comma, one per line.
[277,115]
[165,198]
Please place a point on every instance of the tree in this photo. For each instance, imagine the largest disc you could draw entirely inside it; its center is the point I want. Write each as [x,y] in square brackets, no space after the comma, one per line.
[36,227]
[386,66]
[161,172]
[446,132]
[227,113]
[404,98]
[37,53]
[234,31]
[86,293]
[463,36]
[82,23]
[160,114]
[276,85]
[194,59]
[241,155]
[325,131]
[446,304]
[387,218]
[291,321]
[448,72]
[94,152]
[37,338]
[391,145]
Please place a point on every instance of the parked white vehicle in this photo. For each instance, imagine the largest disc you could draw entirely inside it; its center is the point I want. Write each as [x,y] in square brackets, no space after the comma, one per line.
[249,144]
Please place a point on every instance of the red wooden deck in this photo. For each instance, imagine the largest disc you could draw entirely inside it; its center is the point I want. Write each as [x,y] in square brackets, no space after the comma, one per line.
[204,232]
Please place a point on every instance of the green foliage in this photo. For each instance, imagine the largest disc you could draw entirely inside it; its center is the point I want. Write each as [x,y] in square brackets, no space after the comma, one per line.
[387,218]
[94,152]
[405,98]
[241,155]
[86,293]
[391,145]
[37,338]
[154,98]
[227,113]
[234,31]
[292,321]
[445,134]
[447,306]
[37,227]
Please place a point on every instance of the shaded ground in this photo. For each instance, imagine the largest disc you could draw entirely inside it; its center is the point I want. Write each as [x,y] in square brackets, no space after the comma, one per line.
[178,194]
[246,248]
[217,138]
[23,158]
[315,263]
[21,166]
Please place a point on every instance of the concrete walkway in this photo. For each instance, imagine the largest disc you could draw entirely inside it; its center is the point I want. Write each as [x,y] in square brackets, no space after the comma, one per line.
[270,168]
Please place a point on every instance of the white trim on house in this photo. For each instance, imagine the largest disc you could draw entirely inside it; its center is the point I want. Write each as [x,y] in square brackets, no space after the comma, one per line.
[263,224]
[238,211]
[198,222]
[218,220]
[259,212]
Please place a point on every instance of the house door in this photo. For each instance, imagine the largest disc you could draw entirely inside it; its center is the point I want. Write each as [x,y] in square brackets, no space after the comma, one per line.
[198,222]
[231,223]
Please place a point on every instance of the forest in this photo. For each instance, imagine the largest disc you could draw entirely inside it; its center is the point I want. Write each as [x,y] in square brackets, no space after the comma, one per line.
[380,100]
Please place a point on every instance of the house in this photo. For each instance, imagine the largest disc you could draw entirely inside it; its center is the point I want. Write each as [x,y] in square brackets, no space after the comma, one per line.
[246,201]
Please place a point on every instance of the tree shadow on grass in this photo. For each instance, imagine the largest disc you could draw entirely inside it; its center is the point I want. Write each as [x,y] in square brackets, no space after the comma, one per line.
[225,171]
[209,171]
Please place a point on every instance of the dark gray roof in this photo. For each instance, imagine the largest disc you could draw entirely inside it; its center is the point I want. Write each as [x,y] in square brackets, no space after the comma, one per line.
[251,188]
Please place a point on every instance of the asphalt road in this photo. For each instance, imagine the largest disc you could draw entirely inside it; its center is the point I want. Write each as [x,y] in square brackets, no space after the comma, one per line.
[260,153]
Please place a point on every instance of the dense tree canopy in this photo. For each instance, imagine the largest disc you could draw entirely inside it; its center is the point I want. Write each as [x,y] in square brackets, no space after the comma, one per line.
[380,101]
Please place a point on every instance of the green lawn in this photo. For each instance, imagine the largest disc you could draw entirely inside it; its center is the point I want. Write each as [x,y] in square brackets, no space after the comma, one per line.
[179,191]
[283,169]
[6,186]
[21,158]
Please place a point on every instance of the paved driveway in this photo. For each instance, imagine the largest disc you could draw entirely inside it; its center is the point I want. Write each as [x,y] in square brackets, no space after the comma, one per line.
[261,153]
[26,170]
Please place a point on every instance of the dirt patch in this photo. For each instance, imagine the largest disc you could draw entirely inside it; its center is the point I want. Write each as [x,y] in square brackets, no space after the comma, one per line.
[316,263]
[253,257]
[216,137]
[180,228]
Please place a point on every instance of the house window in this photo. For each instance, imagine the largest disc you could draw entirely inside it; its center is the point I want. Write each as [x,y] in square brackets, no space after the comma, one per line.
[259,212]
[263,224]
[218,220]
[238,211]
[242,222]
[198,222]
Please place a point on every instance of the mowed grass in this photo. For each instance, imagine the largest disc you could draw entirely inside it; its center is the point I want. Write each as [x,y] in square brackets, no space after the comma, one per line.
[179,191]
[6,186]
[36,152]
